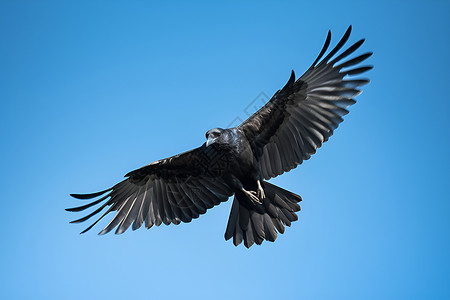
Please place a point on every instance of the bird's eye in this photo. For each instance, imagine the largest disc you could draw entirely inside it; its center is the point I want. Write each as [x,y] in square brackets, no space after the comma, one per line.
[213,134]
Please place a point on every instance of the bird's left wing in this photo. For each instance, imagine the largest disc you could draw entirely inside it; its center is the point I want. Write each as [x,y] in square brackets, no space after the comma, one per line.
[304,113]
[172,190]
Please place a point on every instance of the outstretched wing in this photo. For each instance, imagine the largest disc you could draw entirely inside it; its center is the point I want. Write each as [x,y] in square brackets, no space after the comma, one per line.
[304,113]
[172,190]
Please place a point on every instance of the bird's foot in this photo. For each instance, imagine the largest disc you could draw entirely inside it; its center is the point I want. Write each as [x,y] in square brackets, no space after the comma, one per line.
[257,196]
[253,196]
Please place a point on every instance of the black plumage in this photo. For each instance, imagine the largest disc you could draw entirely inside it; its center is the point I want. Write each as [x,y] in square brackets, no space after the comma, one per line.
[296,121]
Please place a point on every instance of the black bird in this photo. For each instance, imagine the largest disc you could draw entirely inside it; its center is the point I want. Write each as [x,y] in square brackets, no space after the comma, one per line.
[296,121]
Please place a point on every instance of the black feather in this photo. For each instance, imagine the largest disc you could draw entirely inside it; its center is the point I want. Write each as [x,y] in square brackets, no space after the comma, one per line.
[338,46]
[89,196]
[324,49]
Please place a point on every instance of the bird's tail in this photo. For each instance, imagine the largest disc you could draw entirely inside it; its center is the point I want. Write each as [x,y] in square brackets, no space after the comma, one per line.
[254,223]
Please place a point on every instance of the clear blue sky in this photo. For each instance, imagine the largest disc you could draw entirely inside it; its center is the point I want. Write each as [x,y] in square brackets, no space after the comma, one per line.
[90,90]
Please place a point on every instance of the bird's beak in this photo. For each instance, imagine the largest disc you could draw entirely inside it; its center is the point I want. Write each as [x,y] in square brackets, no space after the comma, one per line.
[210,141]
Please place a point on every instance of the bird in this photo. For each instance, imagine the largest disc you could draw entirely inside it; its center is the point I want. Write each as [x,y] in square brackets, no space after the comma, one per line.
[239,161]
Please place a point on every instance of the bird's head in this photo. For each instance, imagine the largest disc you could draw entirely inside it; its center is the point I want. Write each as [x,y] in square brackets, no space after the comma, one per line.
[216,135]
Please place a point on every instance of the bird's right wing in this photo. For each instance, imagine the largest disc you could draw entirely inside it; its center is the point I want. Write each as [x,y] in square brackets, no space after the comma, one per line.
[305,112]
[172,190]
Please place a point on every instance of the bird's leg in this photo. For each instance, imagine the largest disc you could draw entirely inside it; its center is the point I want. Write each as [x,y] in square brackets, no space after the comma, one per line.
[260,192]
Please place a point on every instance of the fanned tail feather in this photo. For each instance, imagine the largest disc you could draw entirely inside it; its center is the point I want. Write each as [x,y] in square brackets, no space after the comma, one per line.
[255,223]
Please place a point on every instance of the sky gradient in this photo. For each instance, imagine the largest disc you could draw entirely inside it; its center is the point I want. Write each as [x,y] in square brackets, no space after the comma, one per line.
[90,90]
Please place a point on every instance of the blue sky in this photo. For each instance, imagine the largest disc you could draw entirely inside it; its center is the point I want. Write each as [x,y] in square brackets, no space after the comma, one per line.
[93,89]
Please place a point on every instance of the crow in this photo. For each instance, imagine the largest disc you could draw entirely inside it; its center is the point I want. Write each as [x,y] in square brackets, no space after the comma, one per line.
[237,161]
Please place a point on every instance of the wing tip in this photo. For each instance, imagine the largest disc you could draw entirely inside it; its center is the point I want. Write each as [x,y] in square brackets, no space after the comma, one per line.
[87,229]
[89,196]
[120,230]
[77,196]
[324,49]
[290,82]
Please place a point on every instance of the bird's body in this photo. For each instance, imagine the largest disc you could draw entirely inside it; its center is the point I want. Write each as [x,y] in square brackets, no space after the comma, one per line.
[236,161]
[241,164]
